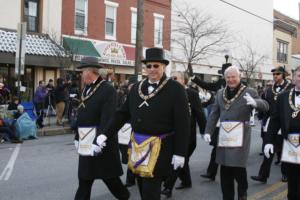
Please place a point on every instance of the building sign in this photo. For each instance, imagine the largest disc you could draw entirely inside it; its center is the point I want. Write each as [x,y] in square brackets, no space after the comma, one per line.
[114,53]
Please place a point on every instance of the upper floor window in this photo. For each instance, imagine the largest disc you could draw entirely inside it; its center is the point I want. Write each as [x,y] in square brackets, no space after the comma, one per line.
[81,17]
[133,25]
[110,20]
[282,51]
[158,30]
[31,15]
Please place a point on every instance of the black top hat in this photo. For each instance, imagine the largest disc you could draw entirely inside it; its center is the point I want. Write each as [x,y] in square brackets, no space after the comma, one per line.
[155,55]
[224,67]
[89,61]
[279,69]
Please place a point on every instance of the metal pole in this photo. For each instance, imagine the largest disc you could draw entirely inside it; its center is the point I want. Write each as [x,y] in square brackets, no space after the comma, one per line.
[139,38]
[19,68]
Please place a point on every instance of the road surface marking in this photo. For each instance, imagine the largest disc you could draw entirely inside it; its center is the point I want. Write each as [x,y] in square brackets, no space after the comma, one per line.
[267,191]
[281,195]
[6,173]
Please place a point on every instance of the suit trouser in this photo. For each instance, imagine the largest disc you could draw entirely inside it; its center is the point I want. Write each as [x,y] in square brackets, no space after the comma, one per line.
[293,177]
[149,188]
[265,168]
[114,185]
[228,175]
[212,168]
[183,174]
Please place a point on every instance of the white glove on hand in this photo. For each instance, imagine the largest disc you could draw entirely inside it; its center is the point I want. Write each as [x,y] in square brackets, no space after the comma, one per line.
[101,141]
[76,144]
[250,100]
[177,161]
[96,149]
[207,137]
[269,148]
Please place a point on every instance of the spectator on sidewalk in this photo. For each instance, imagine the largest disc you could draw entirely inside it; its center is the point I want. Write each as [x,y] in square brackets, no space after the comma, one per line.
[39,102]
[60,96]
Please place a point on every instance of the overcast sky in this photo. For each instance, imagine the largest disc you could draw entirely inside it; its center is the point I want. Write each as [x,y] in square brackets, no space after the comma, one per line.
[287,7]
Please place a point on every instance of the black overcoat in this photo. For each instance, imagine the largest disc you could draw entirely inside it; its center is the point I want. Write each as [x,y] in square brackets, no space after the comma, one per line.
[98,111]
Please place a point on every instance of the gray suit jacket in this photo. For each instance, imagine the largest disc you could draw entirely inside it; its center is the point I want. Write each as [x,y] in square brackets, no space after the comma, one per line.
[238,111]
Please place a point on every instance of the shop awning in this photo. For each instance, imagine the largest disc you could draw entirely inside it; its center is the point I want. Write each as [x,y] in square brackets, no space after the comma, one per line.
[80,47]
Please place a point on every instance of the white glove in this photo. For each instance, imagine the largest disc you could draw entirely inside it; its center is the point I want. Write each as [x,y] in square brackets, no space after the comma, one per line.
[76,144]
[206,137]
[101,141]
[96,149]
[177,161]
[250,100]
[269,148]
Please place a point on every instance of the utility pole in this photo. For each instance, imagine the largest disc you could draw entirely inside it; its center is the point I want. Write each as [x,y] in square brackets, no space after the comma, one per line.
[139,38]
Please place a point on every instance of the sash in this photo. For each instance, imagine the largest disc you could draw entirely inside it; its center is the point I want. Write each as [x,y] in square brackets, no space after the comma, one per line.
[86,139]
[231,134]
[143,153]
[291,149]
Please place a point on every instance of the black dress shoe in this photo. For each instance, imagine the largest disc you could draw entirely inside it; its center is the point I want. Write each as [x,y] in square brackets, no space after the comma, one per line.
[259,178]
[208,176]
[183,186]
[284,179]
[243,197]
[277,162]
[167,192]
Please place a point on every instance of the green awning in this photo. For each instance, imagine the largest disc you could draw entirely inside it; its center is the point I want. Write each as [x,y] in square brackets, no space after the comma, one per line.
[80,47]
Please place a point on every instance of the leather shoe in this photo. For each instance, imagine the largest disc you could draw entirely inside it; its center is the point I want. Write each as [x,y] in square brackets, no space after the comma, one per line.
[208,176]
[284,179]
[277,162]
[259,179]
[167,192]
[243,197]
[182,186]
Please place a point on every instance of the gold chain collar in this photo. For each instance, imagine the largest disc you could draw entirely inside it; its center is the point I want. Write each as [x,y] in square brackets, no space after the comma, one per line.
[277,93]
[229,102]
[83,99]
[292,105]
[152,94]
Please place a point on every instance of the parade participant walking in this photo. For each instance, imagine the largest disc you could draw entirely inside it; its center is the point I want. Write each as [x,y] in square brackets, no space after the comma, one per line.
[271,95]
[212,168]
[286,117]
[197,117]
[98,104]
[157,108]
[233,106]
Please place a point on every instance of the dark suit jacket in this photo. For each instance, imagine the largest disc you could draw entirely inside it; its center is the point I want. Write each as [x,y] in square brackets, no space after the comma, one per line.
[280,118]
[197,117]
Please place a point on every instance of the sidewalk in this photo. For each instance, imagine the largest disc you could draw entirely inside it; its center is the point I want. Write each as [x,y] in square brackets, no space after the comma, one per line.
[51,128]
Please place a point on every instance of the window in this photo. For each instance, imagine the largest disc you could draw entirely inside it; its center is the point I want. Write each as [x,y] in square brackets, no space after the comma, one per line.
[158,30]
[81,17]
[282,51]
[31,15]
[110,20]
[133,25]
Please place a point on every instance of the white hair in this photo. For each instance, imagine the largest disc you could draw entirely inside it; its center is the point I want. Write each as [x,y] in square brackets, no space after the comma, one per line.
[20,108]
[232,68]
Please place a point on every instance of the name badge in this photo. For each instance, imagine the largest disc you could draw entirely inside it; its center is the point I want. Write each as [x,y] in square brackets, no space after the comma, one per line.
[86,139]
[291,149]
[231,134]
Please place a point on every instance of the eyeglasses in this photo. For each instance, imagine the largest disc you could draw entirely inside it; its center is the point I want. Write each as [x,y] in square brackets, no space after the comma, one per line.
[174,78]
[276,74]
[149,66]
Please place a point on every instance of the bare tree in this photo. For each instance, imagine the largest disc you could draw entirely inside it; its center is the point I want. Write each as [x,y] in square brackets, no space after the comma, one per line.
[197,34]
[249,61]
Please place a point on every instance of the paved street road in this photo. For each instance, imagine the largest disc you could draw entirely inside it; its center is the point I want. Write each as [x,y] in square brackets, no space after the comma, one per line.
[46,169]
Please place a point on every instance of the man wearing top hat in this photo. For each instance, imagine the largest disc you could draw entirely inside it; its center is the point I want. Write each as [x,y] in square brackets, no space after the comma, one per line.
[157,108]
[98,104]
[286,117]
[233,107]
[281,84]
